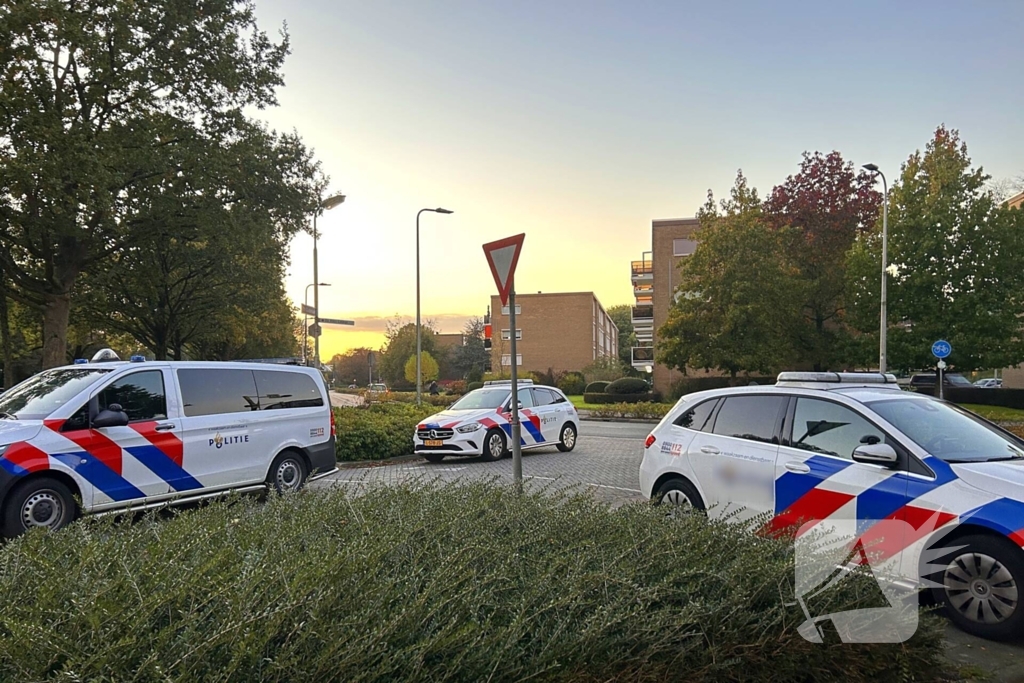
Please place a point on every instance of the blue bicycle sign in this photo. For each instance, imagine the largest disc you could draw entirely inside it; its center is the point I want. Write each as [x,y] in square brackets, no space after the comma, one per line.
[941,349]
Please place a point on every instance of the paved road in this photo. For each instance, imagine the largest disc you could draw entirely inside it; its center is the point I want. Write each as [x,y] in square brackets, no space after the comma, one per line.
[339,400]
[606,462]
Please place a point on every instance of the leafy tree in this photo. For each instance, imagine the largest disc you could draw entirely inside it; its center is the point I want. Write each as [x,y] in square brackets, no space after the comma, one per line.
[428,368]
[827,204]
[470,360]
[606,369]
[107,109]
[400,343]
[622,315]
[739,295]
[955,272]
[354,364]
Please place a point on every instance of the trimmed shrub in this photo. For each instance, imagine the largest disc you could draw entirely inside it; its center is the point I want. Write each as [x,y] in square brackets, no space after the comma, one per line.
[690,385]
[636,411]
[649,397]
[596,387]
[1004,398]
[455,387]
[436,583]
[628,385]
[473,386]
[572,383]
[379,430]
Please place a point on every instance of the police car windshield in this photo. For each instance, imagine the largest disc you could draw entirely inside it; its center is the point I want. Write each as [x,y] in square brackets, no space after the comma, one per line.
[480,399]
[947,432]
[37,397]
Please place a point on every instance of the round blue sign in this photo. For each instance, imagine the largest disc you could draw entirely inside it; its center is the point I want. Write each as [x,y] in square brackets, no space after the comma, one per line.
[941,349]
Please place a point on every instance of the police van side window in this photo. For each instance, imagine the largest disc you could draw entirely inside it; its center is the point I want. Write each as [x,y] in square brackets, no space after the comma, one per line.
[140,394]
[212,391]
[696,417]
[283,389]
[754,418]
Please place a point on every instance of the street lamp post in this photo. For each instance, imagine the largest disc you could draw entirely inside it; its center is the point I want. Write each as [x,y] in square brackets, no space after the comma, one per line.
[883,326]
[325,205]
[419,331]
[305,321]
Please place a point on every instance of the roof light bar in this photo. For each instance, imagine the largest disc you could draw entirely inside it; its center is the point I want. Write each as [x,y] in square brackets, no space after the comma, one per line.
[837,377]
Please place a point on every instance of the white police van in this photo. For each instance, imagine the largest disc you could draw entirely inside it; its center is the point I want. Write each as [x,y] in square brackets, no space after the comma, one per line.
[851,452]
[478,424]
[112,435]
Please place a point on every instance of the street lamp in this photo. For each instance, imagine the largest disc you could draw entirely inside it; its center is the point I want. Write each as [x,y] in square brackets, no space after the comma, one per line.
[883,327]
[419,330]
[305,320]
[325,205]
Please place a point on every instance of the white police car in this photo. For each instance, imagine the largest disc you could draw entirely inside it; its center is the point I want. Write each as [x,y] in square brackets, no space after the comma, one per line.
[113,435]
[831,451]
[478,424]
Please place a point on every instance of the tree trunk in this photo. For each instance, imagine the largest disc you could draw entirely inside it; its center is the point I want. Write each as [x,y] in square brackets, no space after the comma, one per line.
[55,330]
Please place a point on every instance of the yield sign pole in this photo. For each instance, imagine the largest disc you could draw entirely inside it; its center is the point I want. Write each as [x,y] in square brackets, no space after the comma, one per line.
[502,256]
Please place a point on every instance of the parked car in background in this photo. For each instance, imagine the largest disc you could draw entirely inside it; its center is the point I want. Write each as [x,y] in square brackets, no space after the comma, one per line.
[989,383]
[104,436]
[925,381]
[377,391]
[478,423]
[839,453]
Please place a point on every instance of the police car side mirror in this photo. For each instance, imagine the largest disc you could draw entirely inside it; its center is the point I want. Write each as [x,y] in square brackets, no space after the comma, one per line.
[876,454]
[113,416]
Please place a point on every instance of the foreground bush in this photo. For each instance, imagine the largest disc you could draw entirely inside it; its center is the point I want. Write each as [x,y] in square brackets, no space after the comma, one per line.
[642,411]
[378,430]
[460,583]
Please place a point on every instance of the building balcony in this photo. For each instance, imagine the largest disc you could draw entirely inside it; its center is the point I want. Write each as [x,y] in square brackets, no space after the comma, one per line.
[643,356]
[643,314]
[643,291]
[642,271]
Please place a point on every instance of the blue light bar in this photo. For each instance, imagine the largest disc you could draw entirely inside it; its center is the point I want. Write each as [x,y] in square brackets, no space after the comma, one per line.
[137,359]
[81,361]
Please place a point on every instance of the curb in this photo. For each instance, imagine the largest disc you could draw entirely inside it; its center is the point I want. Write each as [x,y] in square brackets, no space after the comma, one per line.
[631,420]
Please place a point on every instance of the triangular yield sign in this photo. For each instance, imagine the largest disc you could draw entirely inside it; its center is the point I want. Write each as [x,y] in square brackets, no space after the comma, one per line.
[502,257]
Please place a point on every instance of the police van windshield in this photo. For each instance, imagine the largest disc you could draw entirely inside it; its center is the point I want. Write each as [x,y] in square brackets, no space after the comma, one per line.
[38,396]
[947,432]
[481,398]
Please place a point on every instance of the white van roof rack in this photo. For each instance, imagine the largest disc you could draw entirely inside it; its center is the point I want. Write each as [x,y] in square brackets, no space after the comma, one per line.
[844,379]
[501,382]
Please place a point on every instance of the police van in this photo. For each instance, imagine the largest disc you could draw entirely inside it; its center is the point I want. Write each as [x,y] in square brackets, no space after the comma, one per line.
[899,472]
[106,435]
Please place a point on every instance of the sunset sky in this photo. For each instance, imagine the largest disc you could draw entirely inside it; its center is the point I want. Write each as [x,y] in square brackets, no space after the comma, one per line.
[579,122]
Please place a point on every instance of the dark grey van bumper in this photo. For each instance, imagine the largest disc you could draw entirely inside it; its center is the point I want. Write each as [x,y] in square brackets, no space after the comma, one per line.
[323,458]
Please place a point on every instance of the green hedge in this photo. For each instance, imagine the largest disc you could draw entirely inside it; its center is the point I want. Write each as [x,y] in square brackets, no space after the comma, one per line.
[378,430]
[643,411]
[473,386]
[651,397]
[572,383]
[457,583]
[628,385]
[690,385]
[596,387]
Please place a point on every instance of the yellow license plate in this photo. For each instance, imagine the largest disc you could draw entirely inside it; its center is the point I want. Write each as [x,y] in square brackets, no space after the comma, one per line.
[433,442]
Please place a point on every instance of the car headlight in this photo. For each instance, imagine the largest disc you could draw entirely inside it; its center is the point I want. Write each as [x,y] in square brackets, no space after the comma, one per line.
[472,427]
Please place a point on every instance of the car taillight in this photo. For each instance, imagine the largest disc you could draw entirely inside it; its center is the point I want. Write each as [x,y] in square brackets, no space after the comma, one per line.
[334,431]
[650,440]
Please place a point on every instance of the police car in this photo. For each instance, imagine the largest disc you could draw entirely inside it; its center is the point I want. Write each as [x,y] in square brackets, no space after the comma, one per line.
[104,436]
[831,451]
[478,424]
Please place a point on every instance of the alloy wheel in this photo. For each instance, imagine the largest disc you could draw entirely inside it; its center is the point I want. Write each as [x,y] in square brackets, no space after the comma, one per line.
[981,588]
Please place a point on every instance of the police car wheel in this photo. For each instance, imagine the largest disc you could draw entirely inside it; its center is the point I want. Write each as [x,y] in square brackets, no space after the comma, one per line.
[567,441]
[433,457]
[495,447]
[982,586]
[288,473]
[40,503]
[679,496]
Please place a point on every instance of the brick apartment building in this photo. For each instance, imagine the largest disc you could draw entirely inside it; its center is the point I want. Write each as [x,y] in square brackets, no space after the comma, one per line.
[450,339]
[561,331]
[1016,201]
[655,278]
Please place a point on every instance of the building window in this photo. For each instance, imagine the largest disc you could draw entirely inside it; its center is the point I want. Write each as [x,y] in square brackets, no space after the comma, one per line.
[506,359]
[683,247]
[506,335]
[504,309]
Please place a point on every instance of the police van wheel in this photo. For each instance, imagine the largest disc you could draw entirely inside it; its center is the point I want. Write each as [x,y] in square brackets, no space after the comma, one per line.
[39,503]
[567,441]
[982,586]
[433,457]
[288,473]
[679,496]
[495,446]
